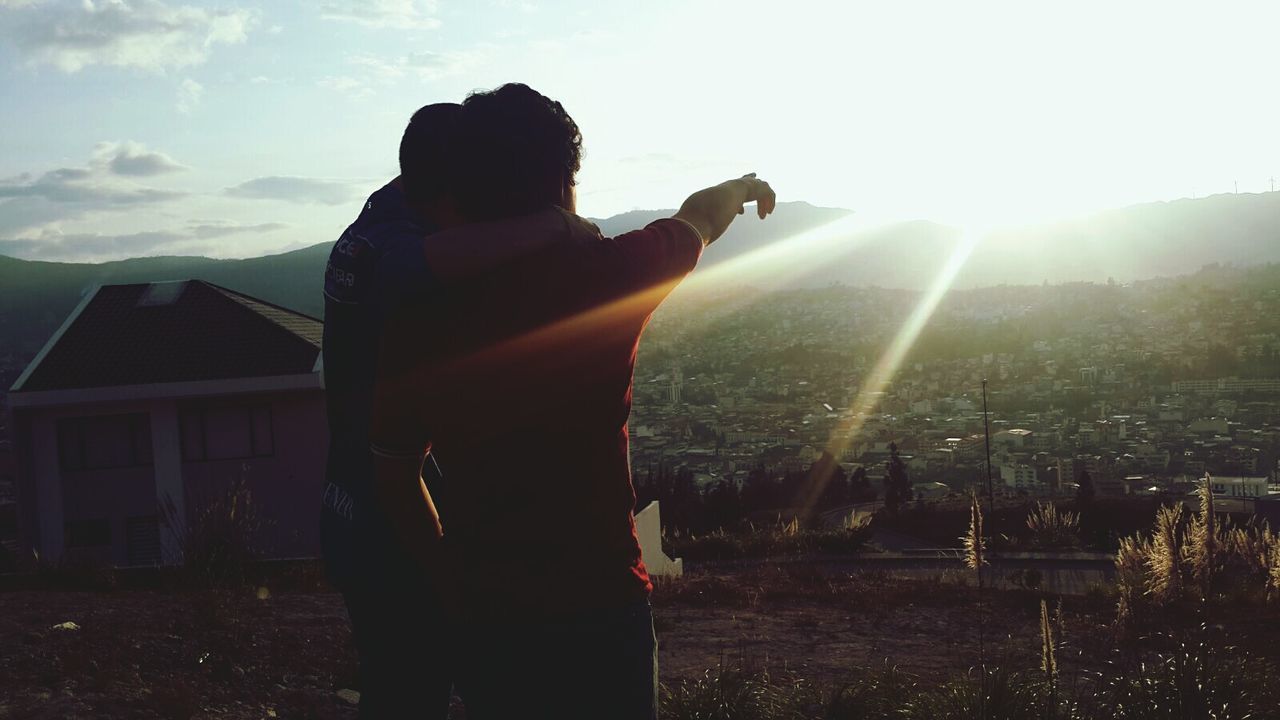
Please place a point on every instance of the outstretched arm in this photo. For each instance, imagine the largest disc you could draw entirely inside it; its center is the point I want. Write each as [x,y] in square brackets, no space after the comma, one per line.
[710,211]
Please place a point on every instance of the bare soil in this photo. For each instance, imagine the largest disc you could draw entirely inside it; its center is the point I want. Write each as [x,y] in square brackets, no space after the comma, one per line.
[250,653]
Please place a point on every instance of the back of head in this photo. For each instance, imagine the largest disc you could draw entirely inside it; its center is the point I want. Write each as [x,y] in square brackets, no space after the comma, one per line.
[516,151]
[424,151]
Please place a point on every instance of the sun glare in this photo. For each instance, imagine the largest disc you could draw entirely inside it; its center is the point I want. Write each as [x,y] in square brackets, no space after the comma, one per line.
[867,400]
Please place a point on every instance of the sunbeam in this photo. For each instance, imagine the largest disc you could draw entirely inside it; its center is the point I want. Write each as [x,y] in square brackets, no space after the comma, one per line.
[775,264]
[869,395]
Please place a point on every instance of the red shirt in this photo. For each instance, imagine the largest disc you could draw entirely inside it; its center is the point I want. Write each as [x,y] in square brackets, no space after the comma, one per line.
[518,382]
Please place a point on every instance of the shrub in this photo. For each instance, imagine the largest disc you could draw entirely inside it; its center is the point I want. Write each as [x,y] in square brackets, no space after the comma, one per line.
[782,540]
[1051,528]
[218,546]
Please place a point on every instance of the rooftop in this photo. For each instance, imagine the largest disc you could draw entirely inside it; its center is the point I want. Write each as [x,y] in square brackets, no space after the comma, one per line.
[168,332]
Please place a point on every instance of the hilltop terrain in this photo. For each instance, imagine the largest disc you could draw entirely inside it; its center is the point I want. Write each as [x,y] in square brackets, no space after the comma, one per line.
[1142,241]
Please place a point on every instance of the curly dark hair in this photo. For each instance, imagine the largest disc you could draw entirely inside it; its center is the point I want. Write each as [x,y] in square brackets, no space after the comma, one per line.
[515,152]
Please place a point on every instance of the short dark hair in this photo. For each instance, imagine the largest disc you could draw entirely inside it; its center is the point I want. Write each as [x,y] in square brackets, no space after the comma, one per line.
[424,151]
[516,150]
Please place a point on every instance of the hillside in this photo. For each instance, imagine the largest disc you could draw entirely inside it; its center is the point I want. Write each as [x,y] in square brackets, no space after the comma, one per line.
[1142,241]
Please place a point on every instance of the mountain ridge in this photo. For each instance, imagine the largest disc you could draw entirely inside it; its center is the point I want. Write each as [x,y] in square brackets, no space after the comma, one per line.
[1146,240]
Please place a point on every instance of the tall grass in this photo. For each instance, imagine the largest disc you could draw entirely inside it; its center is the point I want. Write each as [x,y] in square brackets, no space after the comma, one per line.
[975,557]
[1204,541]
[1194,679]
[218,545]
[975,544]
[1166,555]
[1053,528]
[1131,576]
[1049,655]
[1197,558]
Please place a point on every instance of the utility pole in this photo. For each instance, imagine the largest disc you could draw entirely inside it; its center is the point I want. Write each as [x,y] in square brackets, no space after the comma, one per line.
[986,430]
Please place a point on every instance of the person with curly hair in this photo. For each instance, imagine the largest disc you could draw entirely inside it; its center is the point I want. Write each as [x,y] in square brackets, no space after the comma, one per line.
[516,384]
[404,244]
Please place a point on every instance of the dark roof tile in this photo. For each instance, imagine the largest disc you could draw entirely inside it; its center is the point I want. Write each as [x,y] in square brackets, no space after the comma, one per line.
[157,333]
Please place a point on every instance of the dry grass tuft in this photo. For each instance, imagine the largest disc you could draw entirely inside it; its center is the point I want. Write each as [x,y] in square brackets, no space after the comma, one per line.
[1052,528]
[974,544]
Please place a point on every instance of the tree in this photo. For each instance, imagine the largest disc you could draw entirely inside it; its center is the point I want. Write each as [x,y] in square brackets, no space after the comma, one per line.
[860,486]
[833,484]
[722,505]
[1085,493]
[897,488]
[760,492]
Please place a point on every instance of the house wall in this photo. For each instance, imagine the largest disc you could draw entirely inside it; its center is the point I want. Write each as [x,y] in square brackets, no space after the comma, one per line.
[69,496]
[285,486]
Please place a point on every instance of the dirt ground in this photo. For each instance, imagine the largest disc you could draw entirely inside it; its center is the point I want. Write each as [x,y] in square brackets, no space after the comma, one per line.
[259,654]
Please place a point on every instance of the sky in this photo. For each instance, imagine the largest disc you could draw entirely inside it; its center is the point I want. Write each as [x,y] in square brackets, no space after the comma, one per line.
[235,129]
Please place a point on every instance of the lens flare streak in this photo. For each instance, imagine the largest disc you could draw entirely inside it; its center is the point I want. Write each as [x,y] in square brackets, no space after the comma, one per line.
[872,390]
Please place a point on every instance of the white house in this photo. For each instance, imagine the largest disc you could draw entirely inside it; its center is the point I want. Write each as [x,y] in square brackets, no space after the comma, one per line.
[152,400]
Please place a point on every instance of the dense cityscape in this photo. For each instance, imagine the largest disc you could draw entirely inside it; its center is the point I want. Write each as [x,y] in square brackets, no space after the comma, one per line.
[1142,387]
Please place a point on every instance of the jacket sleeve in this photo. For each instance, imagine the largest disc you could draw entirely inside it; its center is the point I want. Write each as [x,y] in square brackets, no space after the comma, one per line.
[631,273]
[642,266]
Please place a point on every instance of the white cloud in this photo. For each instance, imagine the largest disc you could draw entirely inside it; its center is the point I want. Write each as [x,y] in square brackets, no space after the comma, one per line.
[190,93]
[399,14]
[148,35]
[76,185]
[89,247]
[218,228]
[295,190]
[133,159]
[105,183]
[52,244]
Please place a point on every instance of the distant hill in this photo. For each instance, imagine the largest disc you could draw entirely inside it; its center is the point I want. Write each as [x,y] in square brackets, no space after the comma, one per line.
[1142,241]
[1161,239]
[36,296]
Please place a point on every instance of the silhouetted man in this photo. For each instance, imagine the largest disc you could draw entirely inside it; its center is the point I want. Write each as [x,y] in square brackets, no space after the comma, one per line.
[517,383]
[389,256]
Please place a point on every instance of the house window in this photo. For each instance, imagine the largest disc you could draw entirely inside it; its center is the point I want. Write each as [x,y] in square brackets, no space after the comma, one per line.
[88,533]
[227,432]
[105,441]
[142,540]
